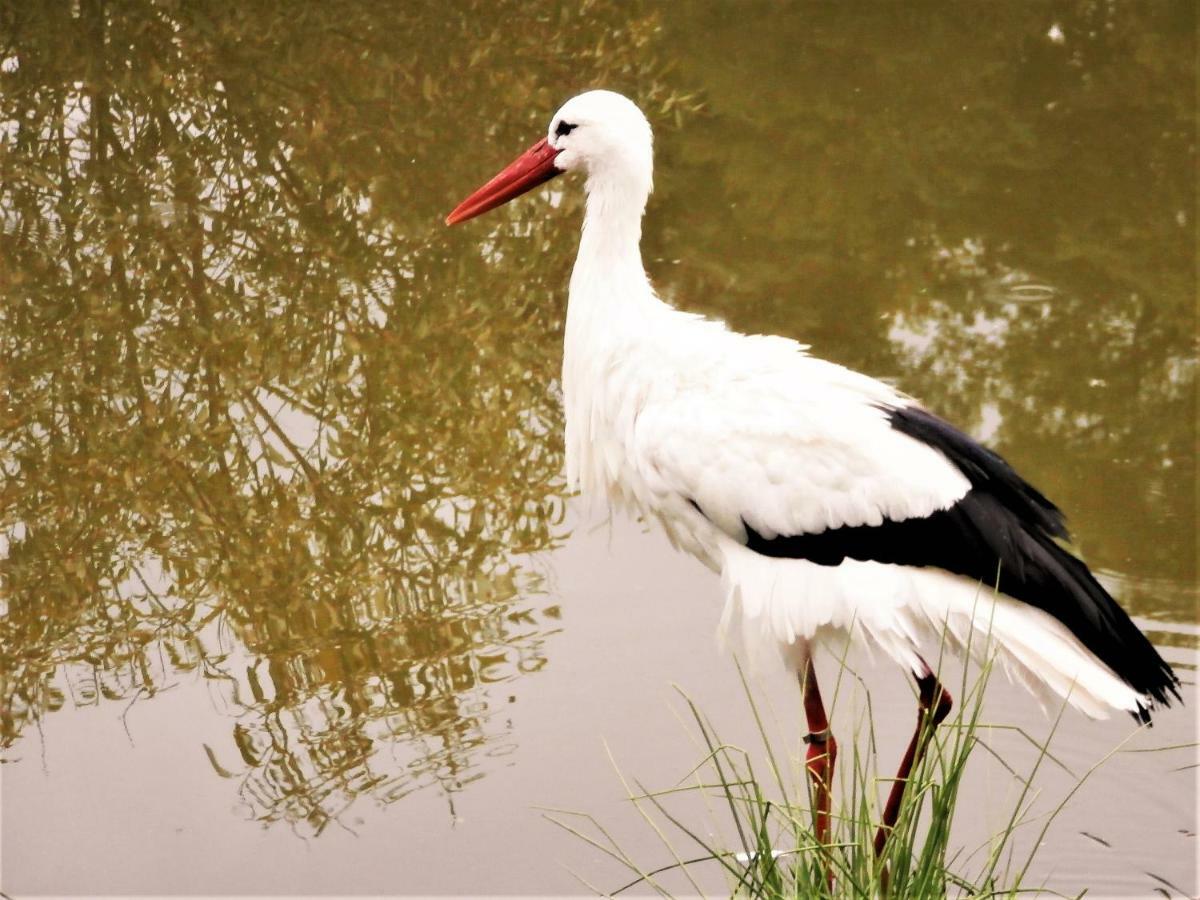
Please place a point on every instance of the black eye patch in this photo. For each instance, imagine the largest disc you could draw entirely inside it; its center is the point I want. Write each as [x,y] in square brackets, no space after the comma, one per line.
[564,128]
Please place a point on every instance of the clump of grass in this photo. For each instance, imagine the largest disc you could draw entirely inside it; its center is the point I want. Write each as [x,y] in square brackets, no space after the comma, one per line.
[770,848]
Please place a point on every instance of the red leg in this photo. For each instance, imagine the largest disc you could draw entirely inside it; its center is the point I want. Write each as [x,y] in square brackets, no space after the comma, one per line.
[935,703]
[821,755]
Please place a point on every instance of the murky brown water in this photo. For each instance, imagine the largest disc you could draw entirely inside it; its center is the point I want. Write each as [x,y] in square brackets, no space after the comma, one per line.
[293,600]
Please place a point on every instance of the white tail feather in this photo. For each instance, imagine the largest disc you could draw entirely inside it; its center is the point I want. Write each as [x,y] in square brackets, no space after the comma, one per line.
[907,612]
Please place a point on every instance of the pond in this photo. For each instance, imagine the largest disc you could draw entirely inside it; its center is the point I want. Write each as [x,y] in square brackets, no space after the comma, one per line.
[293,597]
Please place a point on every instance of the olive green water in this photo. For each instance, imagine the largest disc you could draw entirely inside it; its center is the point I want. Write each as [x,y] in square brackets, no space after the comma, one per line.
[293,597]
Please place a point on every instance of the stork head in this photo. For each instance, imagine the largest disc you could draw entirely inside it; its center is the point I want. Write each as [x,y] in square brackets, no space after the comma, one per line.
[600,133]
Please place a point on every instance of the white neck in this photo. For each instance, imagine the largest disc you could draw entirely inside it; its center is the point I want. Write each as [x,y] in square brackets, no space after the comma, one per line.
[610,307]
[608,283]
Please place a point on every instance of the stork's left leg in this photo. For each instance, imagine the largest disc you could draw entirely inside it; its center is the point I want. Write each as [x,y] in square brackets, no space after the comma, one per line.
[935,703]
[822,749]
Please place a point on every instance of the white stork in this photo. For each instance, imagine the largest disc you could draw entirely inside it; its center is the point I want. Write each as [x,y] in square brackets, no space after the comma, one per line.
[832,505]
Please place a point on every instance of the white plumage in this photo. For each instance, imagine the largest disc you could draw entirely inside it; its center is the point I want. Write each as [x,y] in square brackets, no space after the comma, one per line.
[665,409]
[727,439]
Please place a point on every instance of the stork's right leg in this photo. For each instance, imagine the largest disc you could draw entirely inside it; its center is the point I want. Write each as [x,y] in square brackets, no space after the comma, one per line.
[822,749]
[934,704]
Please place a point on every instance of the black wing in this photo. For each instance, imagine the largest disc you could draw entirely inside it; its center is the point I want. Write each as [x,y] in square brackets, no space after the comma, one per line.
[1001,533]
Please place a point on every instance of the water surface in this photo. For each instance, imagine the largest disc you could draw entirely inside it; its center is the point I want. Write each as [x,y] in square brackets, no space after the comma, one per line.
[293,597]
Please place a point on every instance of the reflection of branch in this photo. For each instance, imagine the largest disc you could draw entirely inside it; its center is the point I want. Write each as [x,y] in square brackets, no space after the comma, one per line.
[265,455]
[210,510]
[291,399]
[244,450]
[330,343]
[312,474]
[154,595]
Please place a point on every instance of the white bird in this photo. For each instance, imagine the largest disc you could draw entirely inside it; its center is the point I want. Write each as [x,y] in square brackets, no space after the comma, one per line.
[832,505]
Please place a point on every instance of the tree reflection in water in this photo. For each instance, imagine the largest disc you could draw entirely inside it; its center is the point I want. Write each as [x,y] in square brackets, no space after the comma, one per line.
[257,424]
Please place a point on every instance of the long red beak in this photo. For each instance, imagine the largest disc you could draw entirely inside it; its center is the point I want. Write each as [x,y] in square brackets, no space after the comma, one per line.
[533,167]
